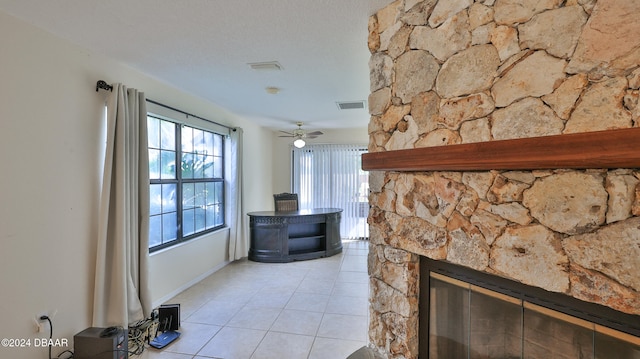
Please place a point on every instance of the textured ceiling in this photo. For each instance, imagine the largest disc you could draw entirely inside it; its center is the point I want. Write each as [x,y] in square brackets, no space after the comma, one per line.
[204,46]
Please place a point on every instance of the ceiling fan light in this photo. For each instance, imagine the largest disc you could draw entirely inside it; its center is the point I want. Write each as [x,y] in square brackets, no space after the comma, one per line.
[299,143]
[272,90]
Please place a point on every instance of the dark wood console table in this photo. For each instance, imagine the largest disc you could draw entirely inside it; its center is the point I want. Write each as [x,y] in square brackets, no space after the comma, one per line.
[296,235]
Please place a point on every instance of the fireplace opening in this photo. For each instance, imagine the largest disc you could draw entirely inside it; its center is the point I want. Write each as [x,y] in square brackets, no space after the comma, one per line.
[469,314]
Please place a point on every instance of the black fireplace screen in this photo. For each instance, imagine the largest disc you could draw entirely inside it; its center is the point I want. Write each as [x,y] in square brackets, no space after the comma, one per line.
[469,321]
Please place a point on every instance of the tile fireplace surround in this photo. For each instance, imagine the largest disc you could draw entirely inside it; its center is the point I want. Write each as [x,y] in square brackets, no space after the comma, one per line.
[472,77]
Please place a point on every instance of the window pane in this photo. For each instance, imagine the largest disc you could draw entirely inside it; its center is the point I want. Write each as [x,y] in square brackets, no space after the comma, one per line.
[153,132]
[217,168]
[200,219]
[188,222]
[187,165]
[219,215]
[198,166]
[169,227]
[168,163]
[154,164]
[211,216]
[208,141]
[198,141]
[188,196]
[155,199]
[219,192]
[200,195]
[169,198]
[187,139]
[168,135]
[211,193]
[208,167]
[155,231]
[217,145]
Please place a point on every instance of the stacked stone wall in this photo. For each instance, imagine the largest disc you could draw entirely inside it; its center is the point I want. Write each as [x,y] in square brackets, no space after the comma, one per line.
[458,71]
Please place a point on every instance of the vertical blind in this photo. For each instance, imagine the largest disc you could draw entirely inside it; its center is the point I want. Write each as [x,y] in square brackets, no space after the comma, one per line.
[331,176]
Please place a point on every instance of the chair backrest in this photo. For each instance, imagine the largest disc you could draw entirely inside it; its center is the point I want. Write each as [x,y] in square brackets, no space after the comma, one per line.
[285,202]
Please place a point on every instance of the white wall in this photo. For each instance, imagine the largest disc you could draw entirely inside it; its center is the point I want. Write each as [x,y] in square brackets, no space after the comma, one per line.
[282,152]
[50,147]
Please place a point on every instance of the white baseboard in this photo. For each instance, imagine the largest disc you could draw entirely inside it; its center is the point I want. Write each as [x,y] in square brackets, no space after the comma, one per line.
[189,284]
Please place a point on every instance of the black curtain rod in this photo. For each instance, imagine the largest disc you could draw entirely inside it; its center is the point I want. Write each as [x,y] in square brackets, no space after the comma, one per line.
[190,115]
[105,86]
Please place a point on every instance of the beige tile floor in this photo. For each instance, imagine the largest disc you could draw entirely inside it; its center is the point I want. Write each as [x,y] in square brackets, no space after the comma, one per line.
[316,309]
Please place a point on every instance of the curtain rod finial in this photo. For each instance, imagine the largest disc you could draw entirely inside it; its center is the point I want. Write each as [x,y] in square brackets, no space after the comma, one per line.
[103,85]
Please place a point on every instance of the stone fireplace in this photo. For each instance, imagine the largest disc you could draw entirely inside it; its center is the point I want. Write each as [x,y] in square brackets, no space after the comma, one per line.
[458,72]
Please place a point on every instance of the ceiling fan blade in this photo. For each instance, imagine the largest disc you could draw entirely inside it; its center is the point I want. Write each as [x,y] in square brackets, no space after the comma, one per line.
[288,133]
[286,136]
[311,136]
[314,133]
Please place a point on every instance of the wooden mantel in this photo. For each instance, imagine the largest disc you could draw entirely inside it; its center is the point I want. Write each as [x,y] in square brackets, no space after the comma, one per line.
[601,149]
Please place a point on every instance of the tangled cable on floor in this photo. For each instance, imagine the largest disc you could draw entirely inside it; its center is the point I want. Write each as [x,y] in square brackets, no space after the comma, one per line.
[141,333]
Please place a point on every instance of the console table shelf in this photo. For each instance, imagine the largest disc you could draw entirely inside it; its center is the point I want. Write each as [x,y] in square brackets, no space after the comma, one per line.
[297,235]
[307,237]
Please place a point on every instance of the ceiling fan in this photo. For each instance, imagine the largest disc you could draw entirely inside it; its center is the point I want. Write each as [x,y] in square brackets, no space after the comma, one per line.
[299,134]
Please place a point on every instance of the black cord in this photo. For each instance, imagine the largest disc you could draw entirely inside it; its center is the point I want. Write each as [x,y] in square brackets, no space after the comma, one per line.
[66,351]
[44,317]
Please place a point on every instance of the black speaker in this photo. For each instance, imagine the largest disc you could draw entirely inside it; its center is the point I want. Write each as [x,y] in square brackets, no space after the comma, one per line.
[101,343]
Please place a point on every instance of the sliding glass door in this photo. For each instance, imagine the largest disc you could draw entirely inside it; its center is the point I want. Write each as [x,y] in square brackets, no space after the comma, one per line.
[330,176]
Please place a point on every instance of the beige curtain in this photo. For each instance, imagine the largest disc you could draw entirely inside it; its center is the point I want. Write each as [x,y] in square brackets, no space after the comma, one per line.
[238,238]
[331,176]
[121,294]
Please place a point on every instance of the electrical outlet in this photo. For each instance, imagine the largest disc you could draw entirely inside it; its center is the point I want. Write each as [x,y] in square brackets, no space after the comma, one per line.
[42,324]
[36,321]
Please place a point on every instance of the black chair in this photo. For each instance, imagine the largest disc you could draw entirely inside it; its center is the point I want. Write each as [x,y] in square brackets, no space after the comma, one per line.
[286,202]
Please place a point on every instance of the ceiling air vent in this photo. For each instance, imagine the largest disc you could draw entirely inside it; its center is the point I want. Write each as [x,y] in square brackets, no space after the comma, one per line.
[266,66]
[352,105]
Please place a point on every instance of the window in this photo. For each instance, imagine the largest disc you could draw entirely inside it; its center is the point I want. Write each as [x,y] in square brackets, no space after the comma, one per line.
[186,182]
